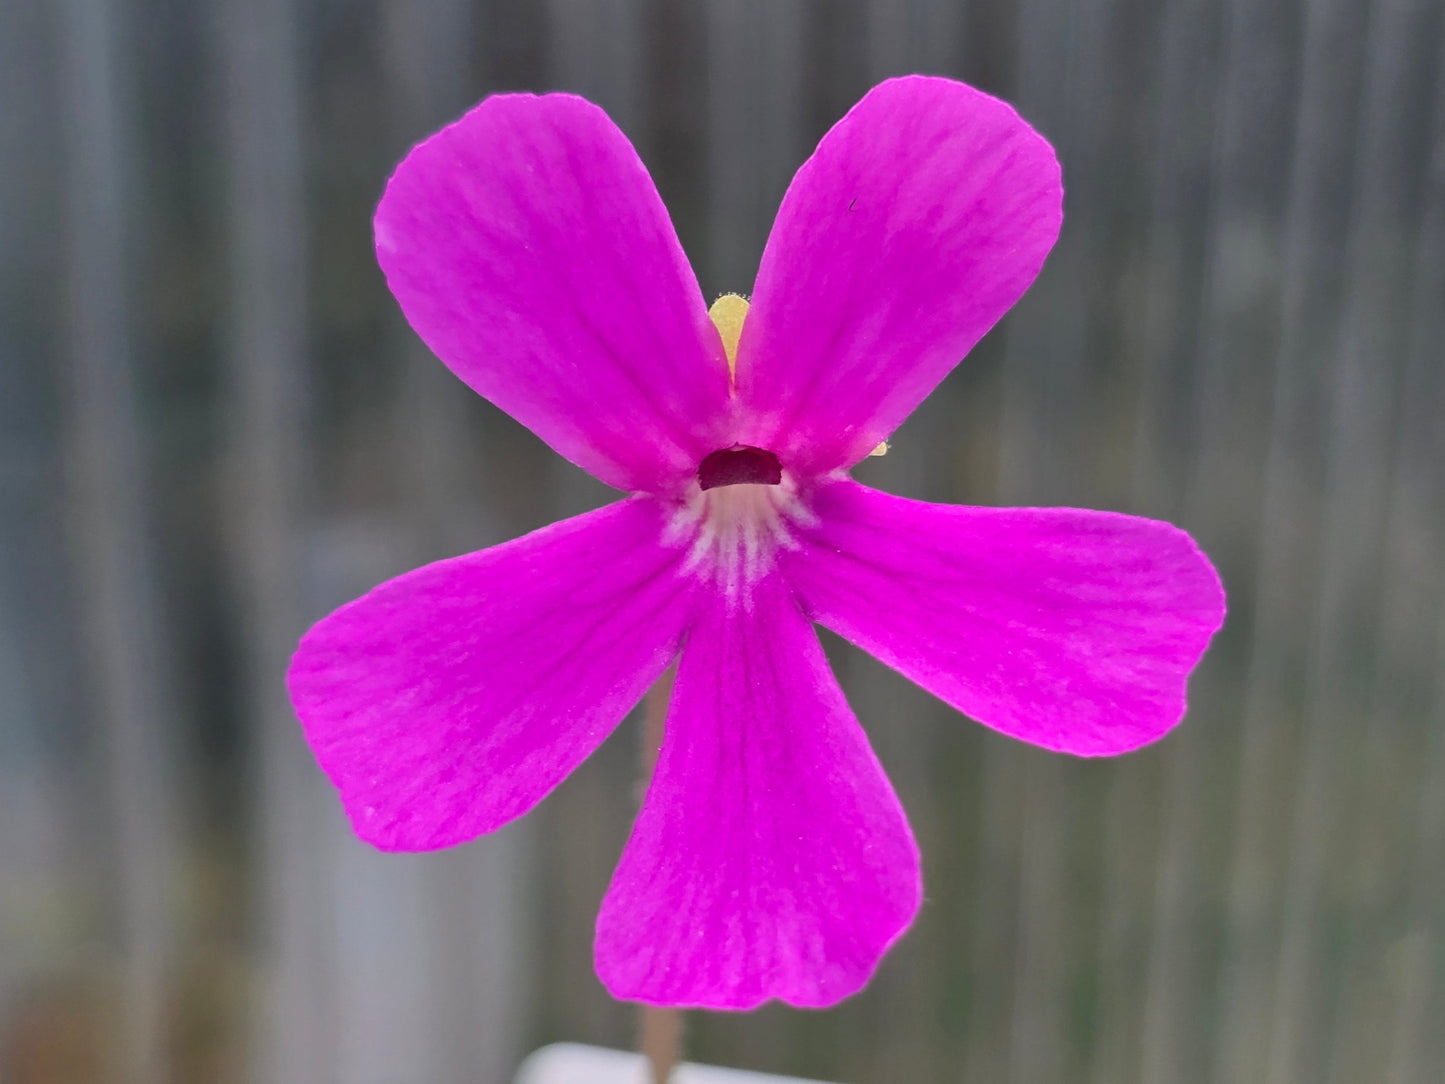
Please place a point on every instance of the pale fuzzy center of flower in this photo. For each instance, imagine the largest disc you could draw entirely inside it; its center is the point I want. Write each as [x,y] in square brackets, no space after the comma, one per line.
[733,533]
[733,530]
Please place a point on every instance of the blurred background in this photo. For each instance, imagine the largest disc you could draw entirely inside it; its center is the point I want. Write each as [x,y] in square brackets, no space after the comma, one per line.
[215,426]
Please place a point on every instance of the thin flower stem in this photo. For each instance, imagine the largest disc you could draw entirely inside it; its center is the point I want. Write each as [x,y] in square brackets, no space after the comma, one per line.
[659,1029]
[659,1039]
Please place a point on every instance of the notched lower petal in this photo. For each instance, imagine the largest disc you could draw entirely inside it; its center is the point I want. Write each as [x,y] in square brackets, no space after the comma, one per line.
[771,858]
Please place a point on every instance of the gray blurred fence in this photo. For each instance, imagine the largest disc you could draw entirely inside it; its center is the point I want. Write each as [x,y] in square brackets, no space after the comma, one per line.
[214,426]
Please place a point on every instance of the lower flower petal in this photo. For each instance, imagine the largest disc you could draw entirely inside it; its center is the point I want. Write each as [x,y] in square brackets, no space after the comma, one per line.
[1068,629]
[771,858]
[451,700]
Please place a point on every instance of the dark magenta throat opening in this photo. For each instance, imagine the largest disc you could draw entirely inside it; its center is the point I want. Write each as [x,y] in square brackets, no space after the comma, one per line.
[739,465]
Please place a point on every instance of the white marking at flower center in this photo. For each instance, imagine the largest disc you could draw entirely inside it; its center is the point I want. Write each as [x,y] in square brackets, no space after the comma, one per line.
[733,533]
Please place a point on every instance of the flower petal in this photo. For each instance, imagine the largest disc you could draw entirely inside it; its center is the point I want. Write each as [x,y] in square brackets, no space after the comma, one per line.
[452,699]
[771,858]
[1068,629]
[529,248]
[923,215]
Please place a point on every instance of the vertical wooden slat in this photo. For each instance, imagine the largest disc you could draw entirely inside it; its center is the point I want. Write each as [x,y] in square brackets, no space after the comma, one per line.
[259,55]
[1286,555]
[1121,968]
[1392,642]
[996,909]
[1039,1047]
[906,36]
[36,755]
[396,1013]
[674,140]
[111,535]
[454,998]
[755,131]
[1232,132]
[1360,418]
[1185,75]
[1416,1047]
[1040,439]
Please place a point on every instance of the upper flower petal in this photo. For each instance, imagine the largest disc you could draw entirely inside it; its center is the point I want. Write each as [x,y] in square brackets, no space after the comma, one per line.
[452,699]
[529,248]
[771,858]
[1069,629]
[923,215]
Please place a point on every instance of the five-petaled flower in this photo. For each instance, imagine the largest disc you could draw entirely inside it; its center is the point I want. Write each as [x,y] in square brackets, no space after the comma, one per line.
[529,249]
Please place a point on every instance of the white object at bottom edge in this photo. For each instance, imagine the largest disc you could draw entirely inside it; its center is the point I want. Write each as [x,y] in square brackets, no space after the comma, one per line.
[574,1063]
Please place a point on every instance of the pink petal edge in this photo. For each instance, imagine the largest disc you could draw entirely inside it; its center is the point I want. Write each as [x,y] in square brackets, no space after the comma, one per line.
[771,858]
[528,247]
[1068,629]
[923,215]
[451,700]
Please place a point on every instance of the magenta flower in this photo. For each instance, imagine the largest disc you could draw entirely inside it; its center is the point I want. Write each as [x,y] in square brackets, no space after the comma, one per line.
[529,249]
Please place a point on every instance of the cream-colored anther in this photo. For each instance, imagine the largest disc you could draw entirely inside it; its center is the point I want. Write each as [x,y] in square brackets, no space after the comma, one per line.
[727,314]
